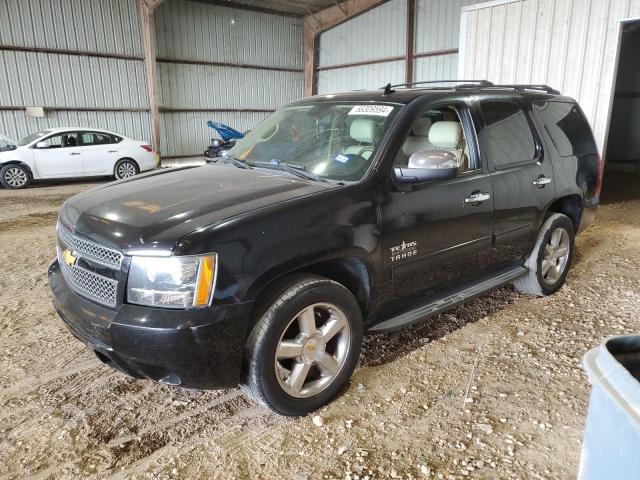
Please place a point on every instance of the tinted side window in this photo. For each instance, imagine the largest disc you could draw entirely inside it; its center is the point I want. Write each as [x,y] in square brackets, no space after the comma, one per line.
[507,135]
[91,138]
[567,127]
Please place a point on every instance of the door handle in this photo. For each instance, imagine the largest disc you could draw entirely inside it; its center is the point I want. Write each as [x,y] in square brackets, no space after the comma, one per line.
[74,153]
[540,182]
[112,151]
[477,198]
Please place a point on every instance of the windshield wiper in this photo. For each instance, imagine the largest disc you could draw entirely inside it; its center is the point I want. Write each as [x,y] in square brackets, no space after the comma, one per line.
[292,169]
[234,161]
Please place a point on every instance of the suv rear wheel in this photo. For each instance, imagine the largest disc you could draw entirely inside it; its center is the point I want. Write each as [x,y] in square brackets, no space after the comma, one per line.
[550,259]
[305,346]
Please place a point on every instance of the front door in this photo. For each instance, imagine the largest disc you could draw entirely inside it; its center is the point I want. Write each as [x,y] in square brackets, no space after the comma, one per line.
[59,156]
[438,234]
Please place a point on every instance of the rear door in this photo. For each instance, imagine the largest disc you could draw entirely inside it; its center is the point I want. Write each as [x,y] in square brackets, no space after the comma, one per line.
[99,153]
[522,178]
[59,156]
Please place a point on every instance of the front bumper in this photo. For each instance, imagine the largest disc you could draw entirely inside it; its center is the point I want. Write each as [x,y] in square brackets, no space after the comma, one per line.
[200,349]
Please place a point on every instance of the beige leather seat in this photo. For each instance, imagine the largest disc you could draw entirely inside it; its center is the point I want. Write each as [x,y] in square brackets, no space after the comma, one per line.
[362,130]
[418,141]
[447,135]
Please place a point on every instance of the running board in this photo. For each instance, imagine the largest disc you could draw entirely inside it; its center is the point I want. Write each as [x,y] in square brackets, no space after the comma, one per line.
[447,301]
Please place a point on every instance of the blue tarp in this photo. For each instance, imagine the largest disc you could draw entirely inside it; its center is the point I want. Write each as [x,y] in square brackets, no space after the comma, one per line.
[225,131]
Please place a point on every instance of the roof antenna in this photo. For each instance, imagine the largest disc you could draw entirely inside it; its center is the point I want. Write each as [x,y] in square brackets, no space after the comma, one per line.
[388,90]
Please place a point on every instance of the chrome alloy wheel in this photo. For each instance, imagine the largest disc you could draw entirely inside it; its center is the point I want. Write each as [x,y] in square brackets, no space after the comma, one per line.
[16,177]
[126,170]
[556,256]
[312,350]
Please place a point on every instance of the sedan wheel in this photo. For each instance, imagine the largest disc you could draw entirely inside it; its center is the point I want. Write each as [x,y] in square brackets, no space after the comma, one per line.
[14,176]
[125,169]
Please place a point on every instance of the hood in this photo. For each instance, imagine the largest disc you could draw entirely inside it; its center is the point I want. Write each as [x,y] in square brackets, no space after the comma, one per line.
[154,211]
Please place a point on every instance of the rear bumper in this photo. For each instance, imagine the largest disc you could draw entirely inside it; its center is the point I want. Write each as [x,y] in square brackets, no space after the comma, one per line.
[200,349]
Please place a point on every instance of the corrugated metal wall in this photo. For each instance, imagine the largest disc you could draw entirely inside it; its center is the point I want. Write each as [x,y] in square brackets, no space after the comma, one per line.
[105,26]
[570,45]
[14,124]
[186,133]
[361,77]
[438,30]
[194,39]
[105,70]
[380,33]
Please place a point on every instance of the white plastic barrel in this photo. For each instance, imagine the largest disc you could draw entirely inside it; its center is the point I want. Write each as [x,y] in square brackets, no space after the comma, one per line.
[611,446]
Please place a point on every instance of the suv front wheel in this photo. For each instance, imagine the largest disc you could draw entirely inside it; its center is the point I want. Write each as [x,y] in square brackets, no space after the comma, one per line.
[550,259]
[304,347]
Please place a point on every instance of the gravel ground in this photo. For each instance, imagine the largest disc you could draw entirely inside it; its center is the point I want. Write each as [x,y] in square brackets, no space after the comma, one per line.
[493,389]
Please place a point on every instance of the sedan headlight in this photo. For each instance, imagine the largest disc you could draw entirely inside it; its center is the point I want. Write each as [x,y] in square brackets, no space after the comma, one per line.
[172,282]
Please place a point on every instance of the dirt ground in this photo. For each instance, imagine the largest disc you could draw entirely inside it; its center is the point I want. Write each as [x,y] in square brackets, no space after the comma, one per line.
[493,389]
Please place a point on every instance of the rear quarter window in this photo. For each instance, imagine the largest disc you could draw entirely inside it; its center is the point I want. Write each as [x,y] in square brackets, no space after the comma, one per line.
[567,127]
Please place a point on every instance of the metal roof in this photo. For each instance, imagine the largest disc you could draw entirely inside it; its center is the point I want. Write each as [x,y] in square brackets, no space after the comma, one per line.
[296,8]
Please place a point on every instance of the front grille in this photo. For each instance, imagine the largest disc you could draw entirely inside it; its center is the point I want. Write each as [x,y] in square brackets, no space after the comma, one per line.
[80,276]
[89,284]
[90,250]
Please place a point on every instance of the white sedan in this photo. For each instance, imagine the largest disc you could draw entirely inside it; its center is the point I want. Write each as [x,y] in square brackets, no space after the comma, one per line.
[73,152]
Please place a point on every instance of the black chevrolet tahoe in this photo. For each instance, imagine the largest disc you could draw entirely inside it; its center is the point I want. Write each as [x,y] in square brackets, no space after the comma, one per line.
[338,214]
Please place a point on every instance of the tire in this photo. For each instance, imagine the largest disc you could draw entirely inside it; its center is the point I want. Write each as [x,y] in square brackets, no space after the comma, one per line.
[547,266]
[15,176]
[125,168]
[324,364]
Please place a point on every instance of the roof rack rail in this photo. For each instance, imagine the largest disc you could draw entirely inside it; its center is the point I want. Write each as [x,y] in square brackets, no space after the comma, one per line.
[523,87]
[388,88]
[516,87]
[473,84]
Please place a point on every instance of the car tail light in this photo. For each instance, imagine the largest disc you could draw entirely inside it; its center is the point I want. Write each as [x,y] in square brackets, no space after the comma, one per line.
[600,173]
[148,148]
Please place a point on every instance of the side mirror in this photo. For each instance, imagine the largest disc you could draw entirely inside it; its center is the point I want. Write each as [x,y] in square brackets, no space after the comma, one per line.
[428,166]
[42,145]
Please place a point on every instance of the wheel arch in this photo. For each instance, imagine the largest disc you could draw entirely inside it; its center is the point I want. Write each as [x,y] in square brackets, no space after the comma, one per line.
[126,158]
[350,271]
[569,205]
[18,162]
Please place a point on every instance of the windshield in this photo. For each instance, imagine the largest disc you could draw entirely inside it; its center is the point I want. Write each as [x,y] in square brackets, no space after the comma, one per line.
[6,143]
[335,141]
[33,137]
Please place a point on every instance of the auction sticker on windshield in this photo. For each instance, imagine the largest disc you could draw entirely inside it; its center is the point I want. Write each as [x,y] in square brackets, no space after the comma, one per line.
[377,110]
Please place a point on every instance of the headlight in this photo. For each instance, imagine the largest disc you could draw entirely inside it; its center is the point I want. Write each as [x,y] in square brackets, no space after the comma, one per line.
[172,282]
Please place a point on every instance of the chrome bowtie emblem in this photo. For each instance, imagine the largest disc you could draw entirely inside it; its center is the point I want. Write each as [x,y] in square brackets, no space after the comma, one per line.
[68,257]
